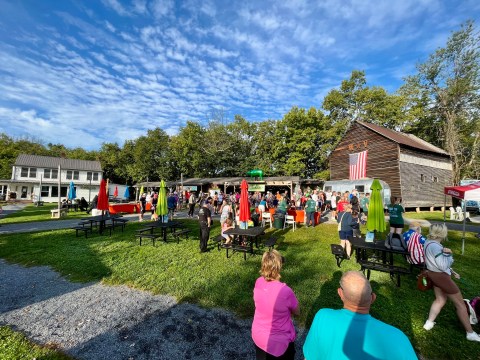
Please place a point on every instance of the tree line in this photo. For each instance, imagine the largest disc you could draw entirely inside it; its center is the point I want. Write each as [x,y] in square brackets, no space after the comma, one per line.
[439,104]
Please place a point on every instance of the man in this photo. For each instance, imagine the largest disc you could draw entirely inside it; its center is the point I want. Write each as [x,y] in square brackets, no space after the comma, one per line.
[205,220]
[191,204]
[171,205]
[365,203]
[351,333]
[310,208]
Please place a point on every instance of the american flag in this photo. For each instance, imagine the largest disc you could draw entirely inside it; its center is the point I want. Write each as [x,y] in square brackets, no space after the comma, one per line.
[358,165]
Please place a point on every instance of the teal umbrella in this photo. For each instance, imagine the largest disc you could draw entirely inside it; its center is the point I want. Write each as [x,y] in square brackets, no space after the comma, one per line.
[72,194]
[376,216]
[162,209]
[127,193]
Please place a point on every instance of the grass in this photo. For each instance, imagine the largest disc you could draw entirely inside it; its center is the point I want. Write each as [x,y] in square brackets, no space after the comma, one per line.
[14,345]
[212,280]
[433,216]
[40,213]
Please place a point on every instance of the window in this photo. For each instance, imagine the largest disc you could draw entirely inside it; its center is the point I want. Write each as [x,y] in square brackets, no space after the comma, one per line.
[63,191]
[29,172]
[24,172]
[33,172]
[92,176]
[434,179]
[360,188]
[422,178]
[45,191]
[50,173]
[69,174]
[72,175]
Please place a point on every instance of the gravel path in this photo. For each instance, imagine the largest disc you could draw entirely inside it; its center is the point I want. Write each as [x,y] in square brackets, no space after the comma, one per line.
[94,321]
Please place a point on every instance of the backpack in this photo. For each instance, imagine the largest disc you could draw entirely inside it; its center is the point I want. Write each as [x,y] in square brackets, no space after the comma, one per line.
[417,256]
[395,241]
[473,309]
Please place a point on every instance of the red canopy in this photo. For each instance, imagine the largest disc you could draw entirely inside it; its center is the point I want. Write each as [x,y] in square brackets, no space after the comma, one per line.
[115,192]
[466,192]
[102,201]
[244,204]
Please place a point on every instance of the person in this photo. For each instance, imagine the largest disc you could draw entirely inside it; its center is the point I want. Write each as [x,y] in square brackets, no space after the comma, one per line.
[225,212]
[439,260]
[333,205]
[345,230]
[310,208]
[191,204]
[171,205]
[282,206]
[351,332]
[415,241]
[205,221]
[262,207]
[227,224]
[272,329]
[365,203]
[395,210]
[343,202]
[83,206]
[355,203]
[143,206]
[356,224]
[153,206]
[93,204]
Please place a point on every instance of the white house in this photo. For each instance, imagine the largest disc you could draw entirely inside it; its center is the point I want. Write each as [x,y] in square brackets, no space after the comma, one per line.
[36,178]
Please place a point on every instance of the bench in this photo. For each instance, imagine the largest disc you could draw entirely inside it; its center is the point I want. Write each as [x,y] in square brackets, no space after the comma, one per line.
[270,243]
[153,237]
[392,270]
[179,233]
[78,228]
[38,203]
[56,214]
[119,222]
[109,227]
[339,253]
[219,239]
[237,248]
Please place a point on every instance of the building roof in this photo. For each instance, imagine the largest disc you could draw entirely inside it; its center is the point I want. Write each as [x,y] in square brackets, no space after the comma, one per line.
[53,162]
[403,139]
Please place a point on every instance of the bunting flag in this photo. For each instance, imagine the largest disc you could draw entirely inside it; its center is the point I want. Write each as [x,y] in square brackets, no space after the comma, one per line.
[358,165]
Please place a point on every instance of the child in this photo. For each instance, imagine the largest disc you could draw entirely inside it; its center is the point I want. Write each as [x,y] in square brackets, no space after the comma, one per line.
[356,224]
[228,224]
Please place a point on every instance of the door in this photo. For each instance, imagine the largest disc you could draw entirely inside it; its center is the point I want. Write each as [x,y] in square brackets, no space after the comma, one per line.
[24,192]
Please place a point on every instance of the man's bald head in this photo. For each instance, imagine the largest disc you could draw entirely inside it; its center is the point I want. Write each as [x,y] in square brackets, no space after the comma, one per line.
[356,289]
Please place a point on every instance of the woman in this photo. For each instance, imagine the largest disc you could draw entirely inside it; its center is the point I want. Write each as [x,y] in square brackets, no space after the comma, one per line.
[345,228]
[225,212]
[272,330]
[439,261]
[262,207]
[395,211]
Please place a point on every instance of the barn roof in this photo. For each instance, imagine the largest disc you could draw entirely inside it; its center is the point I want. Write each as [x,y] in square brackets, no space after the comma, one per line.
[53,162]
[403,139]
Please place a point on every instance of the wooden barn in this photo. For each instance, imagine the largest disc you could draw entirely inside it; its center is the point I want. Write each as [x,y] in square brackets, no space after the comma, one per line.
[416,170]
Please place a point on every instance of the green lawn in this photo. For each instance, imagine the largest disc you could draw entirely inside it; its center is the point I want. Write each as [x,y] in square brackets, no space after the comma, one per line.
[433,216]
[40,213]
[212,280]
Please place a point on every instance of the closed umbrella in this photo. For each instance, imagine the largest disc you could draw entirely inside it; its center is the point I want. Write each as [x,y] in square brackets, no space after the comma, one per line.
[244,204]
[162,210]
[102,201]
[115,192]
[72,194]
[127,193]
[376,216]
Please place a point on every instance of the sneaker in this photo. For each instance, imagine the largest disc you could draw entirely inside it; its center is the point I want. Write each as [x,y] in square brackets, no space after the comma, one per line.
[430,324]
[473,336]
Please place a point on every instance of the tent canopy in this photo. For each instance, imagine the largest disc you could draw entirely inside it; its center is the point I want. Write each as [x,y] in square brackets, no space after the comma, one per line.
[465,192]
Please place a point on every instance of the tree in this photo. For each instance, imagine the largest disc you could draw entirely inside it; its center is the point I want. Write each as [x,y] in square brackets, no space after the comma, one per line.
[449,82]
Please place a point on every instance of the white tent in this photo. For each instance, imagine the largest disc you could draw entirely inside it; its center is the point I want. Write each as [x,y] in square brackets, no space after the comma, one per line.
[465,193]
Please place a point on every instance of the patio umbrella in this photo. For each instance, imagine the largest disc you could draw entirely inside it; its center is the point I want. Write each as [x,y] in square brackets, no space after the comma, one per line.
[127,193]
[244,204]
[140,193]
[102,201]
[72,194]
[376,216]
[115,192]
[162,209]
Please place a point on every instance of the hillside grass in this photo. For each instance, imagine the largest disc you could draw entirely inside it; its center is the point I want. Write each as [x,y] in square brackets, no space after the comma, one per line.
[212,280]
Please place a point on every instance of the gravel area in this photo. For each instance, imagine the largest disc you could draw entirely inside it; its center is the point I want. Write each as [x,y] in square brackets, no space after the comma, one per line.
[94,321]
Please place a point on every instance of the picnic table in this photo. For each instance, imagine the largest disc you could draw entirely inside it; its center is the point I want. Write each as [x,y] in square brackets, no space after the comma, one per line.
[249,235]
[163,226]
[101,220]
[382,259]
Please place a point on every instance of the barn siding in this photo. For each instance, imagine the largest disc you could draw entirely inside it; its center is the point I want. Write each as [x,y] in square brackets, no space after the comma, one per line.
[383,163]
[382,158]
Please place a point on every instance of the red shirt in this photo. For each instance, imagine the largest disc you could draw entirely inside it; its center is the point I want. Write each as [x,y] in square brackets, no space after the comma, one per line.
[341,204]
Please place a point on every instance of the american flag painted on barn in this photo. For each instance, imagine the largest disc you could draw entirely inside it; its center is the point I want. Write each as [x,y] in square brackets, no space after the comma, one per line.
[358,165]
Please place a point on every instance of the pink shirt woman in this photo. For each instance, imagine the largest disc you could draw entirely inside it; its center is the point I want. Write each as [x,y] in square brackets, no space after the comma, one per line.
[272,329]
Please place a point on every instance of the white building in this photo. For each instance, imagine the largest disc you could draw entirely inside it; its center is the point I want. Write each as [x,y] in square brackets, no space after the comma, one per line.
[37,177]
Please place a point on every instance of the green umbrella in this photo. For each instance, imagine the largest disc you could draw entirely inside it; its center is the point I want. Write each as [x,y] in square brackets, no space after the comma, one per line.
[376,216]
[162,200]
[140,193]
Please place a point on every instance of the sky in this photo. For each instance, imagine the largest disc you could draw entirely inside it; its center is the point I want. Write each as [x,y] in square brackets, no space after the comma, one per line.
[85,72]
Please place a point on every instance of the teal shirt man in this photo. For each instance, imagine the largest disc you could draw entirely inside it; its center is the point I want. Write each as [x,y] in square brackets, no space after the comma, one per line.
[395,211]
[364,203]
[352,333]
[310,206]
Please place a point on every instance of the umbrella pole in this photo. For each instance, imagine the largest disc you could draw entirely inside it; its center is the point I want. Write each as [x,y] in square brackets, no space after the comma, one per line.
[464,220]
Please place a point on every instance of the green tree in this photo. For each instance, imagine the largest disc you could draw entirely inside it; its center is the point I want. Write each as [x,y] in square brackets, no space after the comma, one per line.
[448,83]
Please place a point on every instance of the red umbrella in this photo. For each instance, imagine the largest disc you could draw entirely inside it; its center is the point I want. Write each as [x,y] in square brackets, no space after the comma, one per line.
[115,192]
[102,202]
[244,204]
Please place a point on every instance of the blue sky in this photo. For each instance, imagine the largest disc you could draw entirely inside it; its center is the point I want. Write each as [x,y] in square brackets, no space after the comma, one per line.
[82,73]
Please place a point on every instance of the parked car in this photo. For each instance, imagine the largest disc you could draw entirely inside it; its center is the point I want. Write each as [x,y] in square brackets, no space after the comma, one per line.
[473,207]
